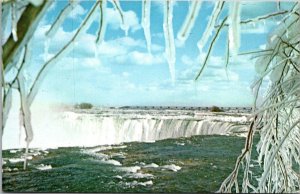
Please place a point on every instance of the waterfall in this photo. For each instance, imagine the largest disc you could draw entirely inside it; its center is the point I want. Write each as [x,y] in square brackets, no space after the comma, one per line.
[92,128]
[102,130]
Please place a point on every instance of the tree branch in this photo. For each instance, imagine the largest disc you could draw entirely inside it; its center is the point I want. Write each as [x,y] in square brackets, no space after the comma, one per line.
[26,28]
[260,18]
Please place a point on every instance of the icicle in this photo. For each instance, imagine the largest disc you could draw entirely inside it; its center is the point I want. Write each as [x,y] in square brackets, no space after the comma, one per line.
[61,18]
[211,24]
[21,124]
[102,25]
[146,22]
[6,106]
[25,110]
[14,21]
[189,21]
[124,25]
[26,115]
[169,38]
[234,27]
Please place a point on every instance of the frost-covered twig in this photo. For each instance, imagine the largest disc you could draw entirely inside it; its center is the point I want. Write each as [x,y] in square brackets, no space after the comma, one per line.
[102,24]
[211,45]
[61,18]
[230,181]
[277,116]
[210,26]
[260,18]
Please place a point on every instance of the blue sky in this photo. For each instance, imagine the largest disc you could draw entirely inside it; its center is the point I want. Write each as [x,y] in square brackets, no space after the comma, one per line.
[124,73]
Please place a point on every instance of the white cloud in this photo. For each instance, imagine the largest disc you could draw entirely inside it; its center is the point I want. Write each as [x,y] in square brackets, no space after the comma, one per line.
[145,58]
[187,60]
[91,62]
[141,58]
[125,74]
[156,48]
[214,72]
[130,17]
[262,46]
[77,12]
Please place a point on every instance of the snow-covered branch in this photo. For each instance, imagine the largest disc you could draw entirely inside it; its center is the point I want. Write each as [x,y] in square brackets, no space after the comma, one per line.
[27,25]
[211,45]
[61,18]
[189,21]
[260,18]
[102,25]
[210,26]
[64,51]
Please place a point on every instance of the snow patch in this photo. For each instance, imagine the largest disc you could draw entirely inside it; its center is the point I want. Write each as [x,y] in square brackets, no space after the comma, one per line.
[152,165]
[132,169]
[113,162]
[43,167]
[171,167]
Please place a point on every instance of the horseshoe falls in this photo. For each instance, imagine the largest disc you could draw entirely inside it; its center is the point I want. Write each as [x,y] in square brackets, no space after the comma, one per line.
[123,150]
[109,126]
[115,129]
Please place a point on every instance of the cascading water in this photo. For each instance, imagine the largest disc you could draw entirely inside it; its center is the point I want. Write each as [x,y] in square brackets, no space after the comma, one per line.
[115,126]
[113,129]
